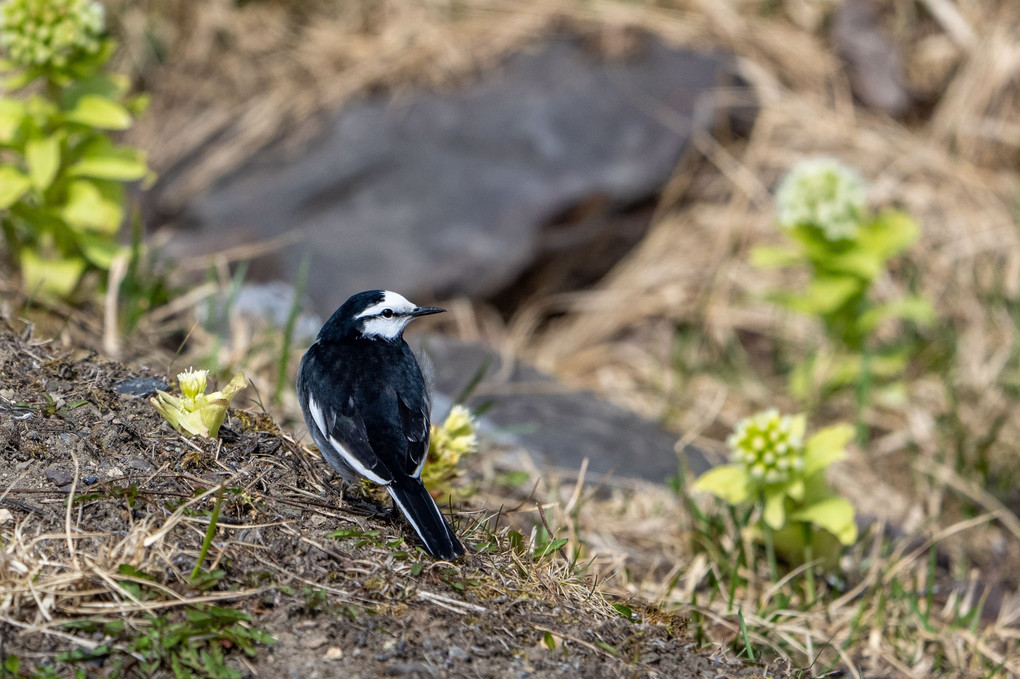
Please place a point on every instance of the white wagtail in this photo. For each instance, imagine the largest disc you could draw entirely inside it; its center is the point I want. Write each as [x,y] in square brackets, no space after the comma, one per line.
[365,402]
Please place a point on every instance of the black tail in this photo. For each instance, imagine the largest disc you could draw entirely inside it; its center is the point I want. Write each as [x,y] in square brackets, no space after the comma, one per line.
[421,512]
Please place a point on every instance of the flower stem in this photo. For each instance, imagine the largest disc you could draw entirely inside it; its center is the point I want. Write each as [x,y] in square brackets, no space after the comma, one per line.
[809,573]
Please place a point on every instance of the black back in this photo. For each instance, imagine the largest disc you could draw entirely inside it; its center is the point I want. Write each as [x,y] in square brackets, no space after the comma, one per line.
[372,394]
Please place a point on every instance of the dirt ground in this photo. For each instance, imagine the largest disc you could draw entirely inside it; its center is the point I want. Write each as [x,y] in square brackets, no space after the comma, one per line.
[103,510]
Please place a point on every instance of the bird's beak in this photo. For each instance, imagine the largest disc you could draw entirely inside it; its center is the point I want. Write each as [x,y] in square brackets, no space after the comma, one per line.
[426,310]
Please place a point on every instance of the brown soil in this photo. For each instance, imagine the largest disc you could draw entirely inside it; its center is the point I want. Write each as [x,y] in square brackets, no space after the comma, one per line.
[103,510]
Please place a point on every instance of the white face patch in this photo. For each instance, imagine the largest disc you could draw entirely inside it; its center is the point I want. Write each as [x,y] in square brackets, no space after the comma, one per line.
[387,328]
[398,304]
[377,325]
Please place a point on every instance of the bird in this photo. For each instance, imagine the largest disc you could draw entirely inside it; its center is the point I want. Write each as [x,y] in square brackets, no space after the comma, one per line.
[364,399]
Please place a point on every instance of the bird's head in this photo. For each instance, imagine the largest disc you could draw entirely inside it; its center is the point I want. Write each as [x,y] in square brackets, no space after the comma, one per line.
[374,314]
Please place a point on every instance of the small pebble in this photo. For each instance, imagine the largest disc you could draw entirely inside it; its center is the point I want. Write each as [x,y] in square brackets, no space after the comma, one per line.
[139,464]
[312,641]
[58,477]
[141,386]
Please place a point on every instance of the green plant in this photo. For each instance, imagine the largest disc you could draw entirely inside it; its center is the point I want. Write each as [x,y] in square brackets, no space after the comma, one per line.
[206,579]
[61,176]
[783,476]
[192,647]
[196,412]
[822,208]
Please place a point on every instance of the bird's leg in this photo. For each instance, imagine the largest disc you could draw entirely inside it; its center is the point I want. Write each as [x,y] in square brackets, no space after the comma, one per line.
[358,501]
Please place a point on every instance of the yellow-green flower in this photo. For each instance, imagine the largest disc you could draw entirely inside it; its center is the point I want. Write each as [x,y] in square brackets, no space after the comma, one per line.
[196,412]
[193,382]
[50,33]
[823,192]
[447,445]
[769,445]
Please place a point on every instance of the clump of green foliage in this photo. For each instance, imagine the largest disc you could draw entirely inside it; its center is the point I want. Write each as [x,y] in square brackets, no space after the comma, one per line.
[783,475]
[62,178]
[447,445]
[822,208]
[157,646]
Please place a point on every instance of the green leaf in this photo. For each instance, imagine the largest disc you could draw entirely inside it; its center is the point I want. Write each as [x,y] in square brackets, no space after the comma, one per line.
[774,513]
[802,380]
[13,185]
[888,234]
[43,156]
[129,570]
[856,261]
[19,80]
[12,115]
[795,489]
[625,611]
[826,294]
[768,257]
[911,308]
[50,275]
[730,482]
[550,548]
[109,86]
[834,514]
[94,206]
[100,250]
[97,111]
[826,447]
[813,241]
[114,627]
[890,364]
[137,104]
[120,164]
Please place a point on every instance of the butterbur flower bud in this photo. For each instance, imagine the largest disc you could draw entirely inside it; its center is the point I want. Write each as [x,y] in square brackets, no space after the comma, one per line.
[460,429]
[769,445]
[456,437]
[197,413]
[447,444]
[49,33]
[193,382]
[825,193]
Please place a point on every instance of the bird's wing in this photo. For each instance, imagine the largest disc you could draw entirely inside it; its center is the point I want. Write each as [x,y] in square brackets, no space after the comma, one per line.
[337,425]
[414,418]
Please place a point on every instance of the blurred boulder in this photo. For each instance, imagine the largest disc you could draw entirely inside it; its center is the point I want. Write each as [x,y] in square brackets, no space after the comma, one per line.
[873,61]
[557,425]
[460,193]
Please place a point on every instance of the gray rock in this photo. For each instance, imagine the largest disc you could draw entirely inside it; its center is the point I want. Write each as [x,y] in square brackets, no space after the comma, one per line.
[446,194]
[265,305]
[872,59]
[561,426]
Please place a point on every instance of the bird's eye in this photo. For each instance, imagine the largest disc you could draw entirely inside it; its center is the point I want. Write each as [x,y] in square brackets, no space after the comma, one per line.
[387,313]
